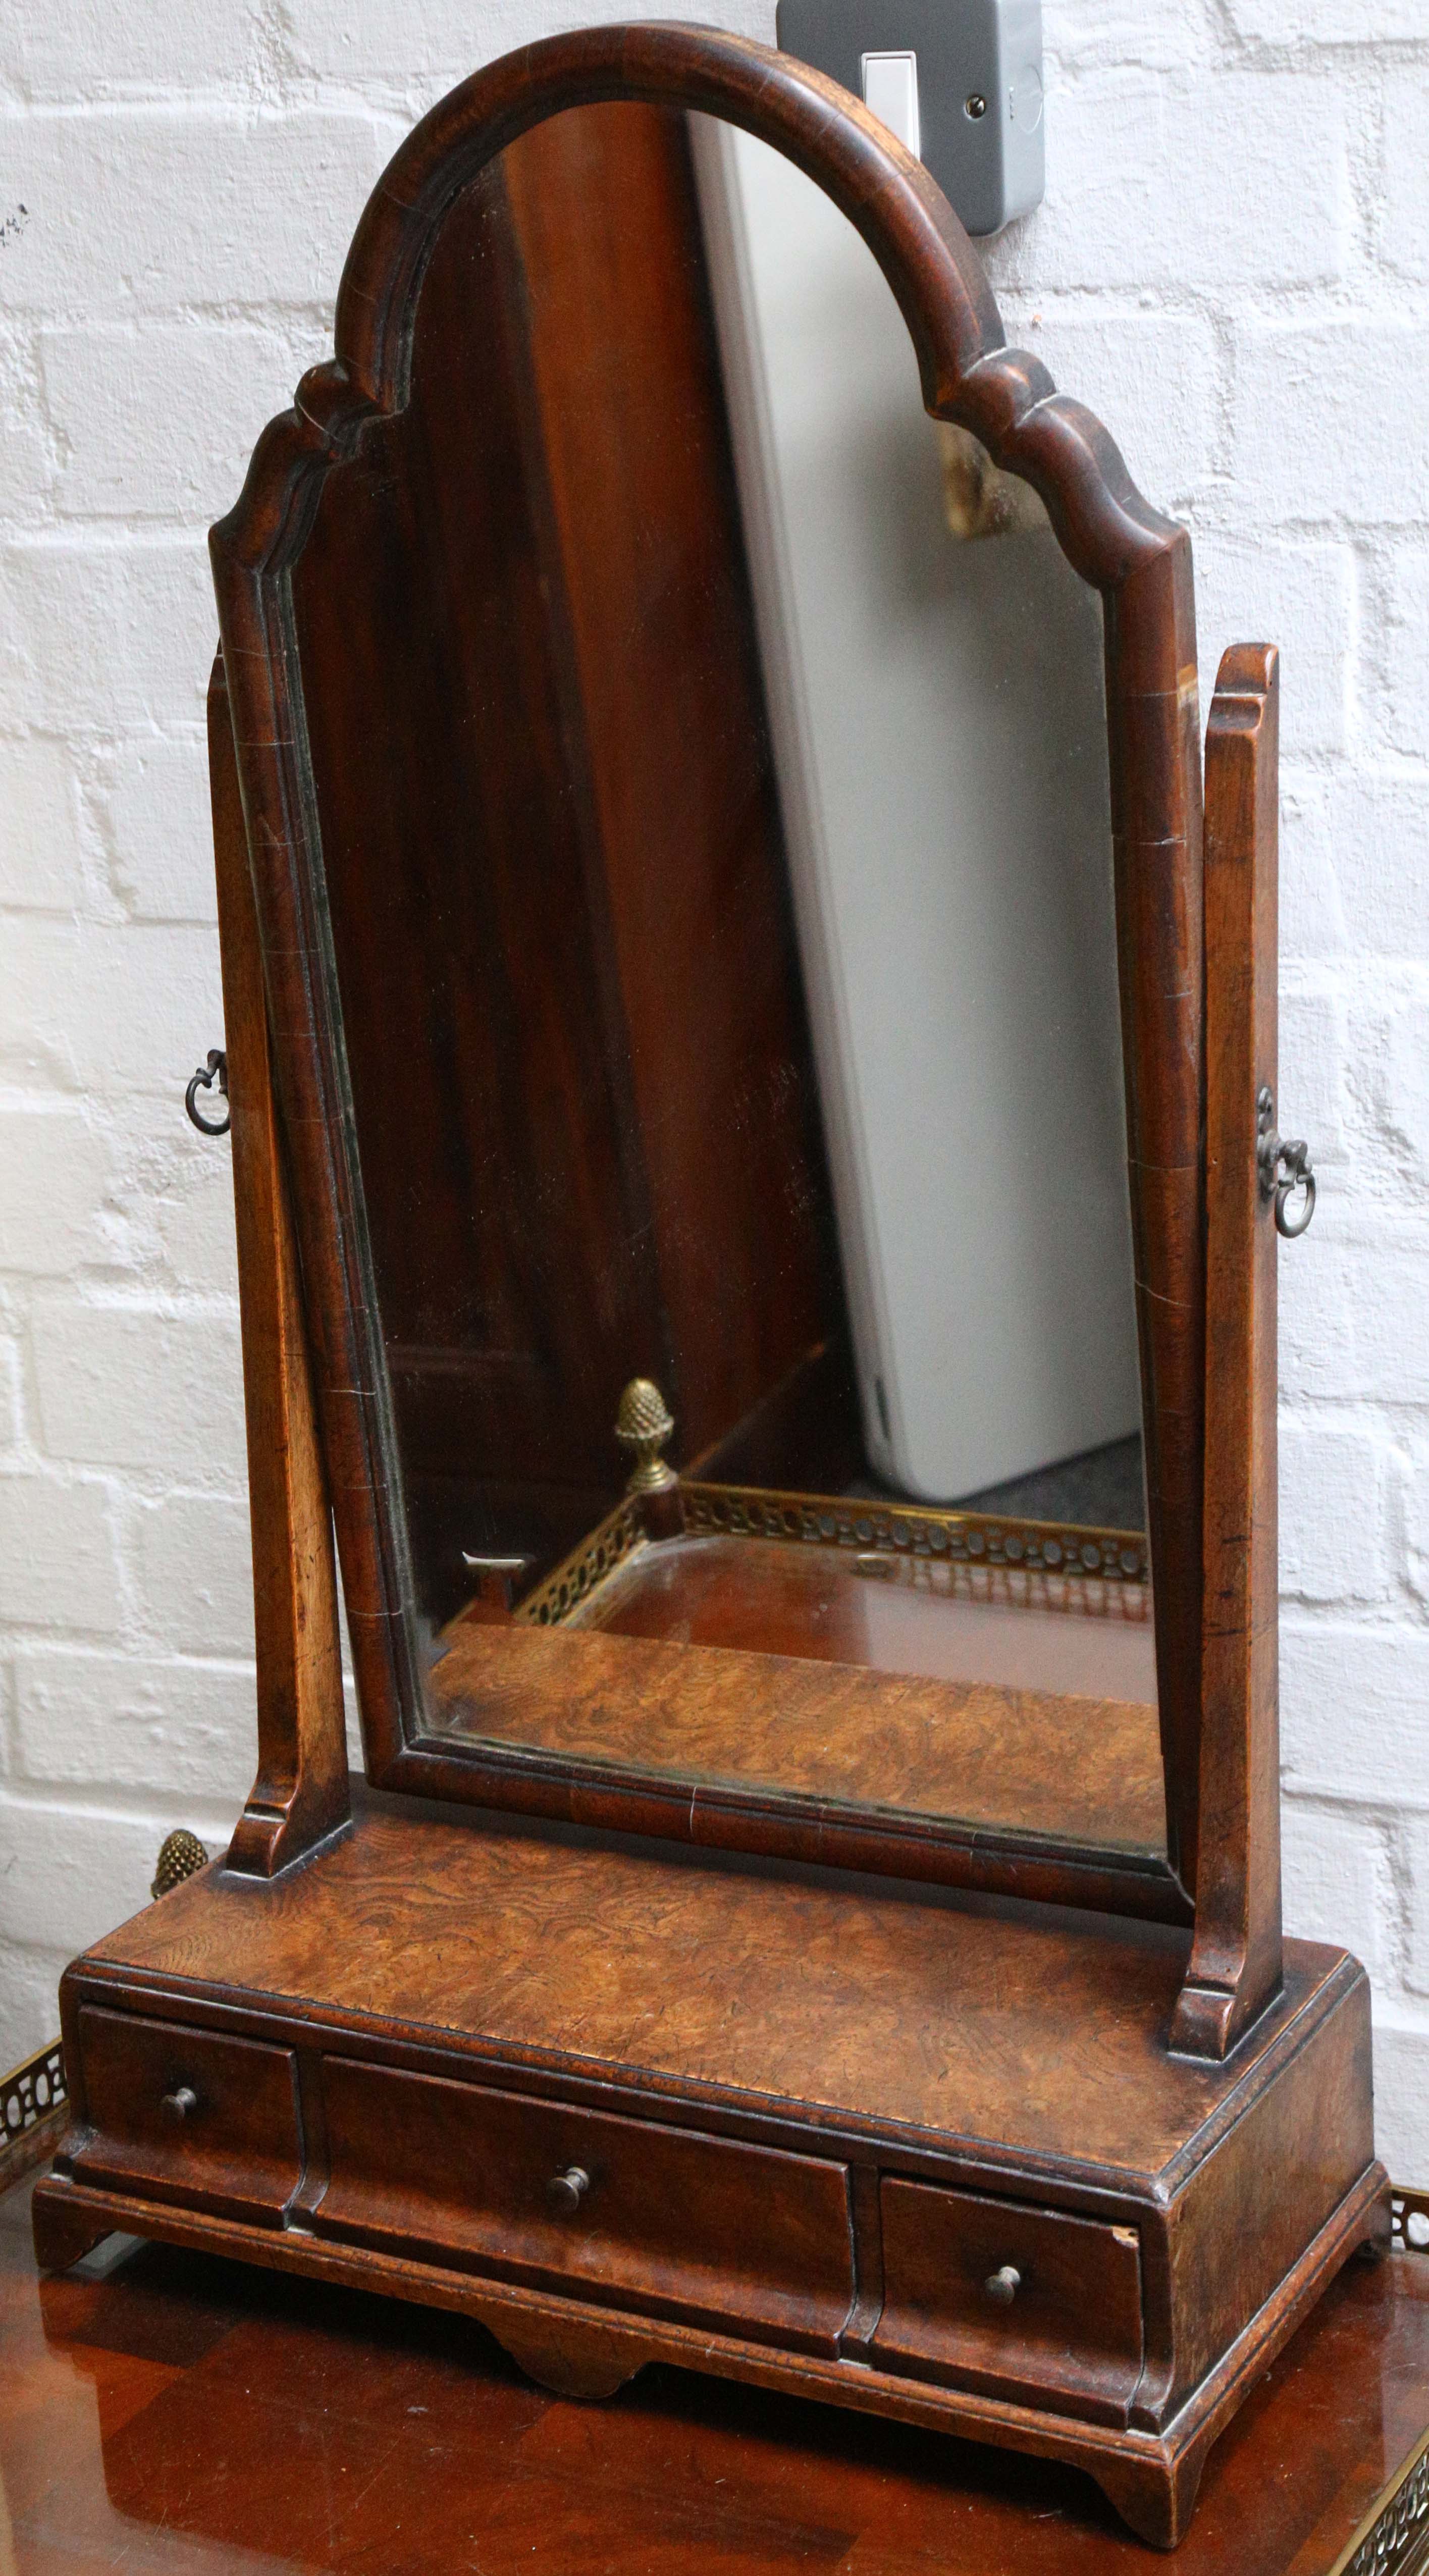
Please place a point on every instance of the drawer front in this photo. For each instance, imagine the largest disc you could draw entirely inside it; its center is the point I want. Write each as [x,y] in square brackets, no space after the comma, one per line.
[667,2220]
[1017,2302]
[206,2120]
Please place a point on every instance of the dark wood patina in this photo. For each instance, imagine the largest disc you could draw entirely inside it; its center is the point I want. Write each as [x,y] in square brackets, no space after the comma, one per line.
[179,2413]
[321,460]
[1063,2181]
[817,2116]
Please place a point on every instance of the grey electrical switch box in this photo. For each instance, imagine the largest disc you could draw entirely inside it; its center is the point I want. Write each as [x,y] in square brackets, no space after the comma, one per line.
[959,81]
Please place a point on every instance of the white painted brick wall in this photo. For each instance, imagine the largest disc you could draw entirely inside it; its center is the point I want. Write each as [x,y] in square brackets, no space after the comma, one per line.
[1232,265]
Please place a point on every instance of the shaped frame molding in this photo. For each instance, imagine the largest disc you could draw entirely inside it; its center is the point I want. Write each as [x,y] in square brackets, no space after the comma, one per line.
[1140,563]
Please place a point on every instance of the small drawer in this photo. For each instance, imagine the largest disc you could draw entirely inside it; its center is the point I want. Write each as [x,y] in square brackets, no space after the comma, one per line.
[199,2118]
[627,2212]
[1022,2303]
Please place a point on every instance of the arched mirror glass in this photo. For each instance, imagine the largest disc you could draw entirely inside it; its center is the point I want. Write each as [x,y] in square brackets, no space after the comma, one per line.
[731,1022]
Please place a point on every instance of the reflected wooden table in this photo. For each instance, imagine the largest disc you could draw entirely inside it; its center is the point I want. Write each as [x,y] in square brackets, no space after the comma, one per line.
[165,2411]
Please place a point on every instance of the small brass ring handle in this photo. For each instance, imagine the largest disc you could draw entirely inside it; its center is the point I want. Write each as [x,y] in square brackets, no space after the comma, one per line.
[1294,1162]
[1284,1166]
[567,2190]
[1003,2285]
[182,2103]
[216,1070]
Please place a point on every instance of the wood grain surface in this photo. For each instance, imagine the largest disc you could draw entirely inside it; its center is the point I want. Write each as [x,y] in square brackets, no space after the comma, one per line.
[183,2415]
[1235,1963]
[1074,2323]
[971,1753]
[670,2223]
[716,2067]
[300,1792]
[795,2086]
[1041,2033]
[238,2150]
[315,461]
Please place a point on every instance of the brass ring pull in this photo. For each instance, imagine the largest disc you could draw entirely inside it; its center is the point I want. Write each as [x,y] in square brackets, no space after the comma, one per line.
[1284,1165]
[1003,2285]
[203,1079]
[567,2190]
[182,2103]
[1293,1161]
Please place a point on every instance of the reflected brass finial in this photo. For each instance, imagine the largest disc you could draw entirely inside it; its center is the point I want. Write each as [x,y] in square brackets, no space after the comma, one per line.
[979,500]
[644,1424]
[180,1854]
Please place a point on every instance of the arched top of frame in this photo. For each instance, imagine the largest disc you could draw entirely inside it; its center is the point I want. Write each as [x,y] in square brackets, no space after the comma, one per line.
[1138,560]
[968,372]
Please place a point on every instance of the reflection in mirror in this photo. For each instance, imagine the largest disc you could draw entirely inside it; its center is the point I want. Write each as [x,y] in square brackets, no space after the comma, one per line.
[732,1022]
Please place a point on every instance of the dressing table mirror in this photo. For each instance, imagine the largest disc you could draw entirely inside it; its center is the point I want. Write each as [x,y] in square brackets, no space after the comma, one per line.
[754,1137]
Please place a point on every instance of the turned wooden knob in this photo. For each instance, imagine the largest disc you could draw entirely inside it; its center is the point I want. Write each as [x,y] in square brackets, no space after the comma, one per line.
[181,2104]
[1003,2284]
[567,2190]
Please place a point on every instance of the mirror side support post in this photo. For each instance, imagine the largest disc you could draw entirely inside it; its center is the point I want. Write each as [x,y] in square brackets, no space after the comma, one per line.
[300,1795]
[1235,1964]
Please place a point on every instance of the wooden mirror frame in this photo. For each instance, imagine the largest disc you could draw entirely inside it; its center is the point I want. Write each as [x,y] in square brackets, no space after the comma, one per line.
[317,1309]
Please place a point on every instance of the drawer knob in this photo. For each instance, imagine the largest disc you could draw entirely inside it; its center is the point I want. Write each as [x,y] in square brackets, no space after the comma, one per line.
[181,2104]
[567,2190]
[1003,2284]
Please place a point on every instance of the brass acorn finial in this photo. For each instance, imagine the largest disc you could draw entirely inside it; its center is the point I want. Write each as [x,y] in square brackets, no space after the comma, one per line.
[180,1854]
[644,1424]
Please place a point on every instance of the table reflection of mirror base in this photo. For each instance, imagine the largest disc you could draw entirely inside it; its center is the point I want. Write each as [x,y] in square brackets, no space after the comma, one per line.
[1330,2457]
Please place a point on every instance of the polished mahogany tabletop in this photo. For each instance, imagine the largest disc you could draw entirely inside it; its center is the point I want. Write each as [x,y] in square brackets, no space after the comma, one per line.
[162,2411]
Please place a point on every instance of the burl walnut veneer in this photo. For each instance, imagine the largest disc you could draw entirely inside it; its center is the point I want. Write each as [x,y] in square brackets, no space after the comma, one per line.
[689,2069]
[625,2104]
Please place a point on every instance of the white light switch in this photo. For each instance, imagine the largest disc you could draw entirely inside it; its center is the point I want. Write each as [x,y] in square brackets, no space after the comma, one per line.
[958,81]
[890,89]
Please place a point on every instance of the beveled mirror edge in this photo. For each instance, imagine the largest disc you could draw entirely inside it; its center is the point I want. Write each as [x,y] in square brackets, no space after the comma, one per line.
[1140,563]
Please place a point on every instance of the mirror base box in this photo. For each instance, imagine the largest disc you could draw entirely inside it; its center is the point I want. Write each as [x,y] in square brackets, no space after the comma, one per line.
[895,2148]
